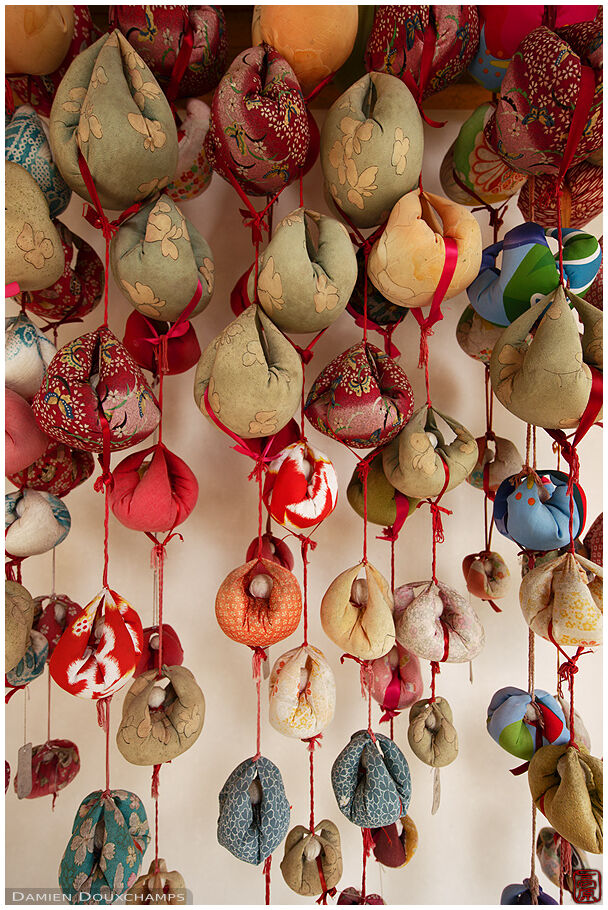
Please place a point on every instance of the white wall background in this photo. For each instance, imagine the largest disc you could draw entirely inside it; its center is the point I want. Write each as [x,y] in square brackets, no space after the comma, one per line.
[479,841]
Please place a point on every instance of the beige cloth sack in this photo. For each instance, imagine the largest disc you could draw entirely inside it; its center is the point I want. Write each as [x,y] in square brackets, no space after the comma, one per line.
[162,887]
[18,620]
[558,593]
[357,614]
[302,850]
[154,729]
[407,260]
[415,461]
[301,693]
[254,375]
[545,380]
[33,253]
[431,733]
[567,786]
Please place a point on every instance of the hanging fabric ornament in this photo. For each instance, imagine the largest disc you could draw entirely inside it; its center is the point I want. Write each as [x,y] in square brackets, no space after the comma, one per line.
[105,852]
[525,894]
[235,373]
[357,613]
[428,47]
[52,619]
[314,44]
[353,896]
[472,172]
[34,522]
[259,133]
[193,174]
[24,441]
[40,38]
[436,623]
[26,143]
[581,200]
[371,780]
[486,575]
[362,398]
[522,723]
[33,254]
[158,887]
[306,273]
[431,733]
[395,845]
[18,619]
[530,128]
[534,510]
[259,603]
[560,604]
[566,784]
[407,261]
[273,549]
[594,540]
[254,811]
[32,664]
[184,46]
[153,490]
[98,652]
[145,339]
[476,336]
[487,68]
[548,851]
[312,863]
[368,304]
[581,734]
[173,653]
[77,291]
[302,693]
[158,724]
[497,459]
[94,395]
[301,487]
[421,463]
[27,354]
[371,148]
[548,380]
[386,506]
[55,764]
[58,471]
[110,111]
[396,682]
[159,259]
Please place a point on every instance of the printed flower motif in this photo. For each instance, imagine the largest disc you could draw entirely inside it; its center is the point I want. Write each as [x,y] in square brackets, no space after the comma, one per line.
[132,58]
[337,161]
[82,843]
[99,77]
[253,354]
[88,124]
[289,220]
[489,173]
[151,725]
[264,423]
[230,332]
[131,857]
[467,445]
[137,827]
[60,397]
[119,878]
[207,270]
[188,722]
[108,851]
[35,245]
[161,229]
[513,359]
[213,396]
[167,37]
[152,130]
[270,287]
[594,350]
[143,90]
[152,186]
[144,298]
[424,460]
[362,185]
[401,147]
[354,132]
[326,296]
[76,96]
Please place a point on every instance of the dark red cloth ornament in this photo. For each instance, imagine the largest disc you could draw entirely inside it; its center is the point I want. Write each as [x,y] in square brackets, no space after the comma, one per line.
[173,653]
[143,337]
[79,289]
[259,132]
[273,548]
[55,764]
[154,490]
[506,26]
[427,47]
[581,200]
[353,896]
[159,33]
[59,470]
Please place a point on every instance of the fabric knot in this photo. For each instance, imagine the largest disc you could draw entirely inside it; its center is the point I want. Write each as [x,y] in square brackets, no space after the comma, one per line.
[313,741]
[99,221]
[490,436]
[104,482]
[305,353]
[258,470]
[437,523]
[257,222]
[159,550]
[389,714]
[423,357]
[258,658]
[155,781]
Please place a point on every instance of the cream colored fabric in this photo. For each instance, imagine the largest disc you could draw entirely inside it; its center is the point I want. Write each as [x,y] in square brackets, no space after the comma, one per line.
[365,630]
[302,693]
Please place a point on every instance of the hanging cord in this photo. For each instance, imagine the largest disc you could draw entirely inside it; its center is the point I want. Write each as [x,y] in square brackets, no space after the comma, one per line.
[533,881]
[368,846]
[155,793]
[259,656]
[103,719]
[157,561]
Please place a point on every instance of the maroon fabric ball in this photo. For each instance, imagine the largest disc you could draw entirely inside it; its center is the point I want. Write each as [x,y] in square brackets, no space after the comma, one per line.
[397,38]
[259,131]
[142,341]
[157,34]
[582,197]
[595,294]
[58,470]
[173,653]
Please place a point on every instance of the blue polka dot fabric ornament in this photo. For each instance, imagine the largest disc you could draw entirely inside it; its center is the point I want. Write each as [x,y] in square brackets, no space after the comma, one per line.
[537,515]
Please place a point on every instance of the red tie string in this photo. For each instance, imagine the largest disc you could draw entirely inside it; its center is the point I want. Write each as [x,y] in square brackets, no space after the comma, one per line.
[103,719]
[312,742]
[155,788]
[566,673]
[266,873]
[326,892]
[181,61]
[259,656]
[176,330]
[426,61]
[391,698]
[104,483]
[368,846]
[157,560]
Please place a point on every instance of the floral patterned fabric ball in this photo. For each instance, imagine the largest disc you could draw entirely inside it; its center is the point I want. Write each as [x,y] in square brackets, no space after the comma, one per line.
[104,855]
[158,32]
[58,470]
[259,132]
[397,39]
[582,197]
